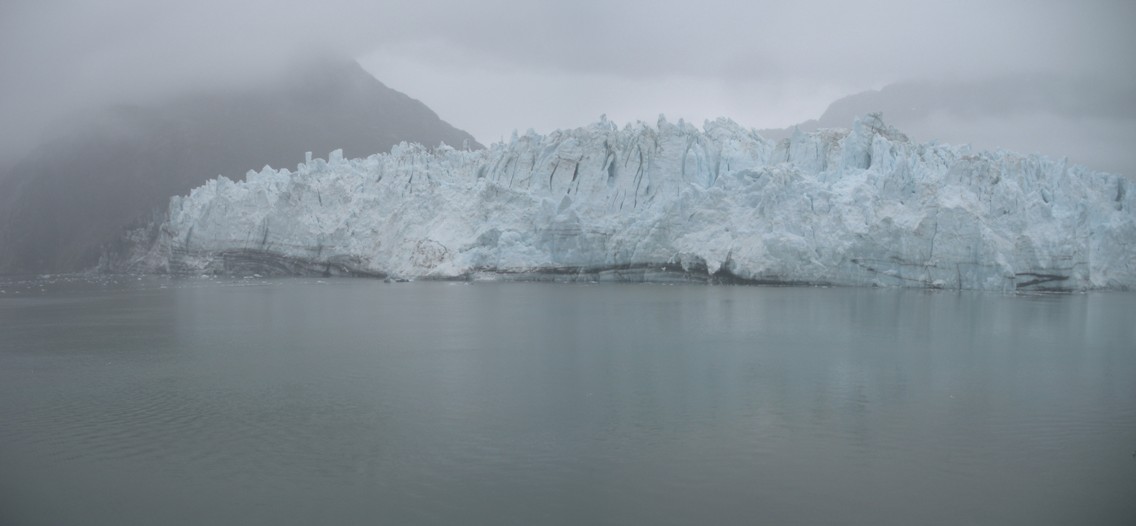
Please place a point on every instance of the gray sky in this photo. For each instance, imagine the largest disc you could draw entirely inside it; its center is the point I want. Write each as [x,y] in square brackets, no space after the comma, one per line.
[493,66]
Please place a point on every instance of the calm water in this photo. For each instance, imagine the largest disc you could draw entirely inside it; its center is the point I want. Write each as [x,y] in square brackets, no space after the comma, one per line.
[358,402]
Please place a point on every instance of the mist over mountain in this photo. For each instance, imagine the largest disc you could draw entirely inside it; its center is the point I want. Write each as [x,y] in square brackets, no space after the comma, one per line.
[1092,123]
[112,167]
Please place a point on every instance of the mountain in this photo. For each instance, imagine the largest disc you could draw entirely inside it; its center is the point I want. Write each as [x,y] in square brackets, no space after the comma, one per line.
[115,167]
[865,206]
[1091,123]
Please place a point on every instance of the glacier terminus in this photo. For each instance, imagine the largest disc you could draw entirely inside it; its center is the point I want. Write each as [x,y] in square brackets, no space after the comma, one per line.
[864,206]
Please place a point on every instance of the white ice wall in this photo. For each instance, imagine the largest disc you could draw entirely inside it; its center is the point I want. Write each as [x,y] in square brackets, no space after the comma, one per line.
[851,207]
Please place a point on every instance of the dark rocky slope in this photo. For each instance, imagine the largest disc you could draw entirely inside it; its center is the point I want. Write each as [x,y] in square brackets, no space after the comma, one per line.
[74,194]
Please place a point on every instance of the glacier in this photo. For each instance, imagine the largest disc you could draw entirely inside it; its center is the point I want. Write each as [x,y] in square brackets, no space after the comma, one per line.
[864,206]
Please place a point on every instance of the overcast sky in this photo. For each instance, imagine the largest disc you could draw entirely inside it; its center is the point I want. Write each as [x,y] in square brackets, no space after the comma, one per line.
[492,66]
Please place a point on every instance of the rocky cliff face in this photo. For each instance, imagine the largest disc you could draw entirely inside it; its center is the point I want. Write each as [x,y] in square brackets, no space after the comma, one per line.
[864,206]
[113,168]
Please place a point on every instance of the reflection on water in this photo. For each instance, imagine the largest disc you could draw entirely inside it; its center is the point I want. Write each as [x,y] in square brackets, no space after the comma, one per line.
[354,401]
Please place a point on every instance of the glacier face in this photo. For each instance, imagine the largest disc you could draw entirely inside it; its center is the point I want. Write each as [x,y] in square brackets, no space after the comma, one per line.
[864,206]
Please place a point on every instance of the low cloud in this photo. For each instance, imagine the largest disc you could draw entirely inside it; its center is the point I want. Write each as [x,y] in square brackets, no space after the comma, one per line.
[63,55]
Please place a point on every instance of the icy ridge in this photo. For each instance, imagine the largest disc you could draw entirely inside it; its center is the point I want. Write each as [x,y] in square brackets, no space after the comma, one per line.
[864,206]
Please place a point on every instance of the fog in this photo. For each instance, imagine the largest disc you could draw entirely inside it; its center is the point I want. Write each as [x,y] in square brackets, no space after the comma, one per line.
[492,67]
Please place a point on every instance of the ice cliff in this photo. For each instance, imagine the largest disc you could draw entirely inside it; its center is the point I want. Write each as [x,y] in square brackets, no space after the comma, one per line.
[864,206]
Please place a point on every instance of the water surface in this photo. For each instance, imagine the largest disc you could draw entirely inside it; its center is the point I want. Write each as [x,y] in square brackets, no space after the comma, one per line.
[357,402]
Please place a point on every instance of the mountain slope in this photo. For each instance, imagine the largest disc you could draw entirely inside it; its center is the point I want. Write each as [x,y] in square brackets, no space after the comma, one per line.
[1093,124]
[112,168]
